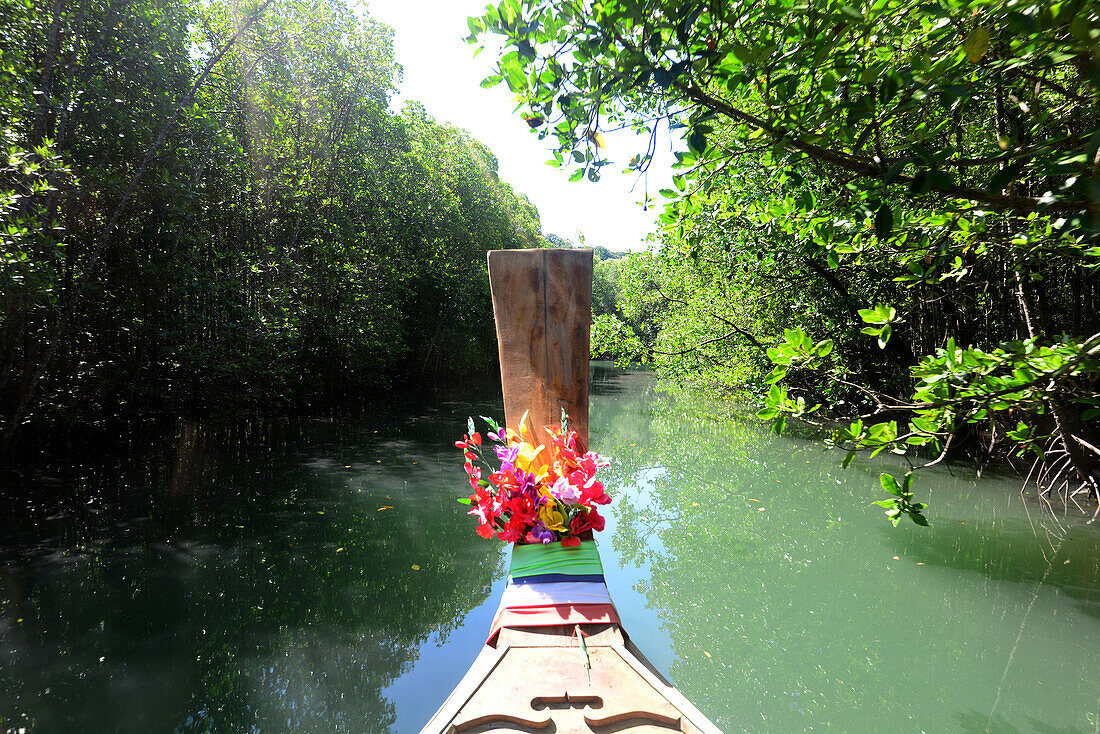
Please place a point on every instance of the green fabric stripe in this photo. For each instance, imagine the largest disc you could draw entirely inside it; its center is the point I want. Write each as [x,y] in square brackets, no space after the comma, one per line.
[535,559]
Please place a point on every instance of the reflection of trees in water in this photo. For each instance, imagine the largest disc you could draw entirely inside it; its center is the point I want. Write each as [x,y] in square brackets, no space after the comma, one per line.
[275,596]
[794,608]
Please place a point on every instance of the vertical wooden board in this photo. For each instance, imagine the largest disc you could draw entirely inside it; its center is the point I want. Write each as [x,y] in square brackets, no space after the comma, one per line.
[542,300]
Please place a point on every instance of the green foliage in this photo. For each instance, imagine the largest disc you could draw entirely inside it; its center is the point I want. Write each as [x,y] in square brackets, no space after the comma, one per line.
[891,179]
[901,504]
[288,241]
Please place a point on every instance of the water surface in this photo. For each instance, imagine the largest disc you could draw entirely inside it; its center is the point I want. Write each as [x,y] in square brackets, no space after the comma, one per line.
[319,576]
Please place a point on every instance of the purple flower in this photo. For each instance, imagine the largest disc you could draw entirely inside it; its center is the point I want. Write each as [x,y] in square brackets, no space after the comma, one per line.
[539,532]
[524,480]
[507,456]
[498,437]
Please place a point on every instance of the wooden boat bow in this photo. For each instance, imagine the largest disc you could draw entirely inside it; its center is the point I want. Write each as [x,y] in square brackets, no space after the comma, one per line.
[584,676]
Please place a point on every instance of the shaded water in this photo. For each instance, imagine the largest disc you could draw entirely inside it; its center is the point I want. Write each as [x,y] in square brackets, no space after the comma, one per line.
[249,579]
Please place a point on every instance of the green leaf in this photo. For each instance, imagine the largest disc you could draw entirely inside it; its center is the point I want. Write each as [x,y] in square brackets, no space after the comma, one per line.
[517,80]
[851,12]
[777,374]
[577,175]
[895,172]
[890,484]
[697,141]
[884,221]
[464,501]
[976,44]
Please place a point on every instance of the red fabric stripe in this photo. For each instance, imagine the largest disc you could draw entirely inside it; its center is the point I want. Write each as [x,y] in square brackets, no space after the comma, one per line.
[552,614]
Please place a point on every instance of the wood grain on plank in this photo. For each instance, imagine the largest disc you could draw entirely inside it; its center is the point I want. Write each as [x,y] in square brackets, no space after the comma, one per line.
[542,300]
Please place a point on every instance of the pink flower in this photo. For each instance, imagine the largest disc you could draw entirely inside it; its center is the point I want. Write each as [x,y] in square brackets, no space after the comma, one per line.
[565,491]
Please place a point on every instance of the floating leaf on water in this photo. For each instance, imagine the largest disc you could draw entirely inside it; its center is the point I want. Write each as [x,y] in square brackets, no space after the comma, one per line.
[761,509]
[415,567]
[385,507]
[320,512]
[707,654]
[339,549]
[752,500]
[347,466]
[694,504]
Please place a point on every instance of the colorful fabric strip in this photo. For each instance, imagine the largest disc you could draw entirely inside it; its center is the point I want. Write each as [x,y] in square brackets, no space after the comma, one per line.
[555,592]
[549,616]
[543,578]
[538,559]
[549,585]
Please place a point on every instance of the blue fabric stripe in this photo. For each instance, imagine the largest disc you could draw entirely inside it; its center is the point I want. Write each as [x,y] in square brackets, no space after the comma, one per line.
[550,577]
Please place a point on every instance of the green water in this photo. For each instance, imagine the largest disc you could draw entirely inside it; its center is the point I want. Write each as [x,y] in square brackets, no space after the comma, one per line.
[246,579]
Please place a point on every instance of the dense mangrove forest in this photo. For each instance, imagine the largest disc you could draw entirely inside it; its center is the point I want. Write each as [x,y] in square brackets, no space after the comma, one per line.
[886,212]
[211,207]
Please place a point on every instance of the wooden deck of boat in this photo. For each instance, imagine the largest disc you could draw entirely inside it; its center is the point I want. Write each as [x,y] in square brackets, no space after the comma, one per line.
[536,679]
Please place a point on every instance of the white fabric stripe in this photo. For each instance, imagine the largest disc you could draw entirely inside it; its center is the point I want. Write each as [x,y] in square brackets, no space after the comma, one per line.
[555,592]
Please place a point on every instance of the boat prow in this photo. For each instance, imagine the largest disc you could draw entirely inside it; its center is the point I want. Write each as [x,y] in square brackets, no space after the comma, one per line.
[578,678]
[557,658]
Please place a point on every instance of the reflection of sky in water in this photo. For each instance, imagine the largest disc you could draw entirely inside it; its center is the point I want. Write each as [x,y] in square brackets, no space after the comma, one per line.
[246,579]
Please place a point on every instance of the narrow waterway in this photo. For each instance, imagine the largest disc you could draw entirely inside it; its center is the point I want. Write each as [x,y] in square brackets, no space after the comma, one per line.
[318,576]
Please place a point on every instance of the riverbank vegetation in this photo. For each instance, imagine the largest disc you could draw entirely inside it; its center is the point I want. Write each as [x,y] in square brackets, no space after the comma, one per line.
[887,212]
[210,207]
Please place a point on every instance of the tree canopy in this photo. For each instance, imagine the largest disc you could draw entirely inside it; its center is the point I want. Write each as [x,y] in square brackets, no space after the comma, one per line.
[888,207]
[211,206]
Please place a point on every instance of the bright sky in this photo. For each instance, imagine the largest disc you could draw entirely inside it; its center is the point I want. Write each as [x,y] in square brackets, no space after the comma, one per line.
[441,72]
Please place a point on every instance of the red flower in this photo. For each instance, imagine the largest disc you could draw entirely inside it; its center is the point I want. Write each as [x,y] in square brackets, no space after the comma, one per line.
[513,531]
[592,493]
[570,542]
[591,520]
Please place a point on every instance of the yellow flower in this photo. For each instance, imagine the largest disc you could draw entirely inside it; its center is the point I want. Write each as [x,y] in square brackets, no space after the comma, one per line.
[551,517]
[531,458]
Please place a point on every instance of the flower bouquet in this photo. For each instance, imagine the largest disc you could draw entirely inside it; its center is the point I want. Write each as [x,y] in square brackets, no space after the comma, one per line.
[541,493]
